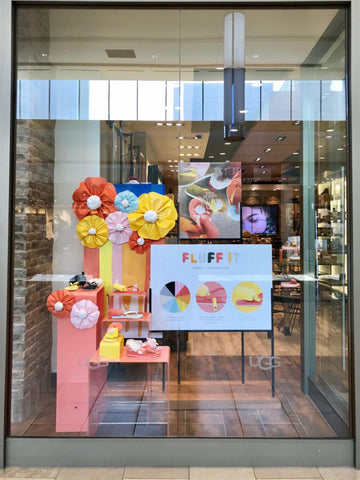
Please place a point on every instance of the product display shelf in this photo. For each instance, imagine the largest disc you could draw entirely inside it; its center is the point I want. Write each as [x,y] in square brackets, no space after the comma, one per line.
[77,385]
[163,358]
[331,235]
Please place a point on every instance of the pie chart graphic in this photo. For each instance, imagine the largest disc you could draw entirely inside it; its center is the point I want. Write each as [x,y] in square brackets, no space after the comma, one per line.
[175,297]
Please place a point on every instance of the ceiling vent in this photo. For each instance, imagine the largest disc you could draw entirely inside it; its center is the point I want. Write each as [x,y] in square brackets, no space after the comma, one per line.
[120,53]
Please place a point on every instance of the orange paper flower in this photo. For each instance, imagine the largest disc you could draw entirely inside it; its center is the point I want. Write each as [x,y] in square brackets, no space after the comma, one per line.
[95,196]
[60,303]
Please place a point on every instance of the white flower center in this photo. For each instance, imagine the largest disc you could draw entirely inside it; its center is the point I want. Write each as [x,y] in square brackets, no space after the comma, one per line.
[92,231]
[140,241]
[150,216]
[82,314]
[58,306]
[200,210]
[93,202]
[119,227]
[125,203]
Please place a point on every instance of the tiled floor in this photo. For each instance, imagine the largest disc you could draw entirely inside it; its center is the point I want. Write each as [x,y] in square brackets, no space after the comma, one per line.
[192,473]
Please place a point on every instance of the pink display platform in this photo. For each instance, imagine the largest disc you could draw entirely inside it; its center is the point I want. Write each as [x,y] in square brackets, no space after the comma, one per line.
[78,386]
[163,358]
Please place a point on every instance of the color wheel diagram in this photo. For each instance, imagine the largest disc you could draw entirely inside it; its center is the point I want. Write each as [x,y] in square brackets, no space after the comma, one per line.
[175,297]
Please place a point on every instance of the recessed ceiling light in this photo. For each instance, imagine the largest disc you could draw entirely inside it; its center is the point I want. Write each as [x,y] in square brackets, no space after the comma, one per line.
[169,161]
[295,153]
[274,189]
[328,136]
[196,154]
[297,122]
[330,130]
[189,146]
[320,146]
[197,146]
[243,111]
[44,54]
[227,143]
[233,129]
[159,124]
[297,166]
[222,153]
[267,150]
[211,156]
[175,161]
[188,154]
[257,159]
[253,189]
[227,161]
[178,124]
[321,158]
[182,154]
[219,68]
[262,166]
[263,171]
[155,56]
[324,68]
[169,124]
[296,189]
[180,138]
[279,139]
[340,149]
[256,55]
[181,146]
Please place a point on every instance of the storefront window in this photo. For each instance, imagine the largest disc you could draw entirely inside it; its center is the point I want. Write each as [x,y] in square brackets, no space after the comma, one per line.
[168,282]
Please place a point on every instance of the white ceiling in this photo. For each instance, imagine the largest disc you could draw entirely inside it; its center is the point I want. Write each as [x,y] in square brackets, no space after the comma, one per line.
[165,39]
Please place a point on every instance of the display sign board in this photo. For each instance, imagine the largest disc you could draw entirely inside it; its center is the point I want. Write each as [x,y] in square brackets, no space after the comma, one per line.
[211,287]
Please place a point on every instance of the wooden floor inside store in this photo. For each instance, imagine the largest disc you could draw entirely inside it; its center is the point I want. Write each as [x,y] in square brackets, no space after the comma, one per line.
[210,401]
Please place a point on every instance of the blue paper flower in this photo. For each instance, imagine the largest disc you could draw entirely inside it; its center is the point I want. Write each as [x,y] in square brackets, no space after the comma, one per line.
[126,201]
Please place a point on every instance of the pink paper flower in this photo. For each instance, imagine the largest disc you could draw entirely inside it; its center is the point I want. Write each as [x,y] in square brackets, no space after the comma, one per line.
[84,314]
[119,228]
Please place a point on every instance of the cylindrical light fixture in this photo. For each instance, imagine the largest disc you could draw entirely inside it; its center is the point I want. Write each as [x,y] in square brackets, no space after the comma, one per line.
[234,77]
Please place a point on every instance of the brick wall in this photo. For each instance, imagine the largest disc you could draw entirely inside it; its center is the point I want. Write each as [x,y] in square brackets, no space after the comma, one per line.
[32,338]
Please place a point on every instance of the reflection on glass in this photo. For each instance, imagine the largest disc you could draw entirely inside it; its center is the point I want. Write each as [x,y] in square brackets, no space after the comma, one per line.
[150,118]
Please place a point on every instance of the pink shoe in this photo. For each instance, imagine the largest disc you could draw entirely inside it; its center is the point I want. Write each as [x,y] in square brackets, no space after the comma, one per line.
[144,352]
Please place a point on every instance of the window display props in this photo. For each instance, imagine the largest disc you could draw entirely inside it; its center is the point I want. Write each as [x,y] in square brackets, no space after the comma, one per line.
[94,196]
[209,200]
[60,303]
[84,314]
[211,287]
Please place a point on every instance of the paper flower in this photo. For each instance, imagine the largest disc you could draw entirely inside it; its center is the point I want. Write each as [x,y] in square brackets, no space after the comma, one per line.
[126,201]
[84,314]
[119,228]
[92,231]
[139,244]
[60,303]
[95,196]
[154,217]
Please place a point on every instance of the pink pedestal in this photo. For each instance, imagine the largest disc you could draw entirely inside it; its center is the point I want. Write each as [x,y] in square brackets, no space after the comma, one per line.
[78,386]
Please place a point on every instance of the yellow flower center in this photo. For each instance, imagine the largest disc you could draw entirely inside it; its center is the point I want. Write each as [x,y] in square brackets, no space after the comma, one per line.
[150,216]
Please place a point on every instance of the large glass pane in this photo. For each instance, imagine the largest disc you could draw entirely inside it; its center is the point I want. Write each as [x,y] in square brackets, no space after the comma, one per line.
[246,292]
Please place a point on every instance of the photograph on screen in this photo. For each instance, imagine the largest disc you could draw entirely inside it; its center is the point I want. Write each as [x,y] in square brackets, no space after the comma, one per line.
[210,200]
[259,219]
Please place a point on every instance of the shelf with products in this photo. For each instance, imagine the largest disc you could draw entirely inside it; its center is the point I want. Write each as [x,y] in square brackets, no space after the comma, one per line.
[331,235]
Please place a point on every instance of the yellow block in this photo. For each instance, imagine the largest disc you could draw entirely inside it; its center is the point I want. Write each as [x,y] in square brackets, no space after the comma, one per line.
[111,350]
